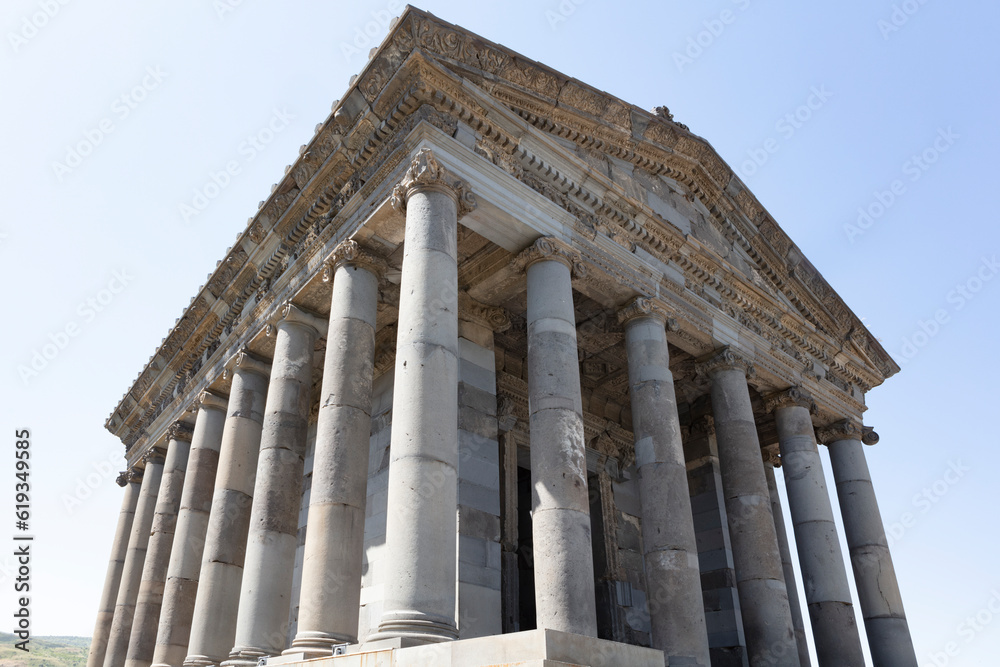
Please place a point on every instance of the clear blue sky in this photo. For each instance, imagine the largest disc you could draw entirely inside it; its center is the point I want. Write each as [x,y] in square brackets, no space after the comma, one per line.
[899,121]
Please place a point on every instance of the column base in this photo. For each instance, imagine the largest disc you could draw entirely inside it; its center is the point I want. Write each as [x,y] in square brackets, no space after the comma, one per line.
[245,657]
[317,644]
[415,629]
[200,661]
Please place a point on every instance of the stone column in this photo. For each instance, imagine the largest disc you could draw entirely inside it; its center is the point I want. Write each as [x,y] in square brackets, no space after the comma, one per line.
[128,592]
[767,618]
[422,501]
[213,625]
[161,540]
[560,505]
[878,591]
[772,461]
[189,538]
[824,575]
[112,581]
[266,592]
[330,600]
[673,579]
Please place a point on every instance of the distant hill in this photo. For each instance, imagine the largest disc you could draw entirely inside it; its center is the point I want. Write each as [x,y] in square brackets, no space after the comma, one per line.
[44,652]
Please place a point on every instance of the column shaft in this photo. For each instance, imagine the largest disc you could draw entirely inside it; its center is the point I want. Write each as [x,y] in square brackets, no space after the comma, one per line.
[786,565]
[189,539]
[213,625]
[824,575]
[673,579]
[423,488]
[112,581]
[767,618]
[563,556]
[161,539]
[878,591]
[128,592]
[265,596]
[334,550]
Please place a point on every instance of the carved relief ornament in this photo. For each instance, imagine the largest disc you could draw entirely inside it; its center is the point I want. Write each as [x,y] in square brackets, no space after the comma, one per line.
[642,306]
[725,359]
[245,360]
[350,252]
[551,248]
[793,396]
[845,429]
[426,173]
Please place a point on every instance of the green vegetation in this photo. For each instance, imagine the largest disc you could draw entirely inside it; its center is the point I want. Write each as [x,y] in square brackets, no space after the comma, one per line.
[44,652]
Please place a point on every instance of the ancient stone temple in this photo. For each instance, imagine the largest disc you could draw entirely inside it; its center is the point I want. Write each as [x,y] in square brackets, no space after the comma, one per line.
[499,373]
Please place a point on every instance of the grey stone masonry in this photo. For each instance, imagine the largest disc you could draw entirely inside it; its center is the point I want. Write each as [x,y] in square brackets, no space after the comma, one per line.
[161,540]
[128,591]
[767,618]
[266,591]
[213,625]
[334,545]
[673,584]
[560,507]
[119,549]
[878,591]
[770,459]
[420,592]
[479,604]
[189,539]
[828,595]
[726,640]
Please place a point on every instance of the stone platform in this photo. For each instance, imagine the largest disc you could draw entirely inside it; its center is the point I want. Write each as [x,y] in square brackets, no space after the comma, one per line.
[534,648]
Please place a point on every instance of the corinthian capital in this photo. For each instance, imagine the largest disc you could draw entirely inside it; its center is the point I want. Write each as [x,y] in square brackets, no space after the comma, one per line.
[352,252]
[425,173]
[132,475]
[642,306]
[292,314]
[845,429]
[725,359]
[180,431]
[793,396]
[551,248]
[208,399]
[154,455]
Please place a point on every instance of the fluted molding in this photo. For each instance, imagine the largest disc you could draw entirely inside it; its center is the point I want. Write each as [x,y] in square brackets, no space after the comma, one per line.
[725,359]
[426,173]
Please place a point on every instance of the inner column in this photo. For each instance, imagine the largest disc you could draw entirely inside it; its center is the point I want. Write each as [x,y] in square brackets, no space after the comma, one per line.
[564,561]
[421,540]
[767,617]
[266,592]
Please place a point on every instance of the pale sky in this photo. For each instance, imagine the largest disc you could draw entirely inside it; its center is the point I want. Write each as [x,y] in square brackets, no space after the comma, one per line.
[139,137]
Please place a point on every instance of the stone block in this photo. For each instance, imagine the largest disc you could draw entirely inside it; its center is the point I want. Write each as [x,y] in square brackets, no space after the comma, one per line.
[476,523]
[479,497]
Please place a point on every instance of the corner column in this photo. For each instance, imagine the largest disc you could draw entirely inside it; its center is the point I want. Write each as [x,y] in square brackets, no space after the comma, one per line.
[560,505]
[128,592]
[329,603]
[421,539]
[767,618]
[673,579]
[189,539]
[161,540]
[772,461]
[266,592]
[213,624]
[824,575]
[112,581]
[878,591]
